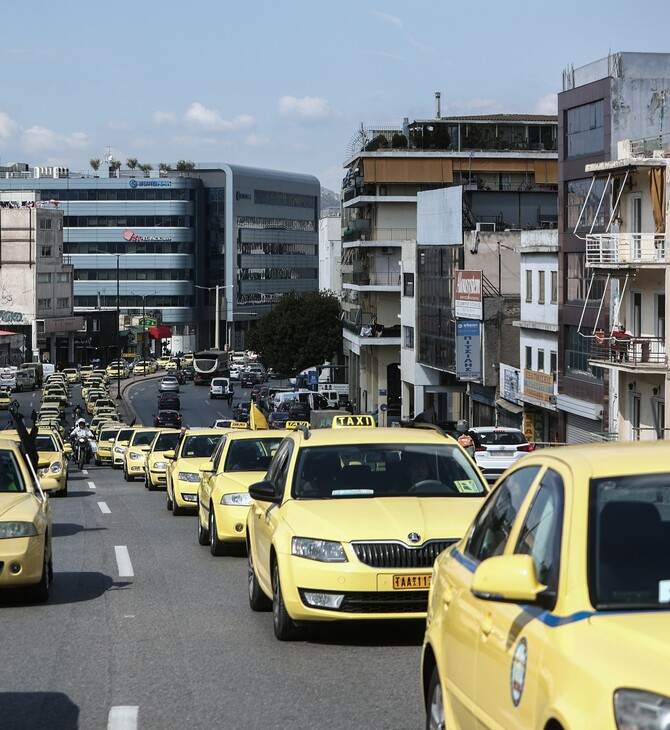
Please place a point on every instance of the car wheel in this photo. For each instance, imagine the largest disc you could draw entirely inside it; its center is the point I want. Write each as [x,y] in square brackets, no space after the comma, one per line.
[169,502]
[39,593]
[203,534]
[177,511]
[216,546]
[258,601]
[127,476]
[434,705]
[149,484]
[284,626]
[63,491]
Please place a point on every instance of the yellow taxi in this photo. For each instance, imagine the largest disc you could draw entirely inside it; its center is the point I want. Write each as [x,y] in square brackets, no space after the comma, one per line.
[162,361]
[52,422]
[72,375]
[194,449]
[120,445]
[102,419]
[53,459]
[101,373]
[85,371]
[117,371]
[143,367]
[186,359]
[105,440]
[349,520]
[135,456]
[25,526]
[5,397]
[53,400]
[553,610]
[172,365]
[155,468]
[240,458]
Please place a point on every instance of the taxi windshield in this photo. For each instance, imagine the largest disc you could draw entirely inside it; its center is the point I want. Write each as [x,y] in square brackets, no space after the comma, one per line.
[385,470]
[166,441]
[629,530]
[251,454]
[199,447]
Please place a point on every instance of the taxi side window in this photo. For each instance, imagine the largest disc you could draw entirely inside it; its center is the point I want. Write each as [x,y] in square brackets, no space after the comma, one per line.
[494,522]
[540,535]
[278,471]
[216,456]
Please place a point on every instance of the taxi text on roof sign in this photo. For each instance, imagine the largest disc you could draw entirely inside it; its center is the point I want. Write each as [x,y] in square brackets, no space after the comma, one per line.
[293,425]
[366,421]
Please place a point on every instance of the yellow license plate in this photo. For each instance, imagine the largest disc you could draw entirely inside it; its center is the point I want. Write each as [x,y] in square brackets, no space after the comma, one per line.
[411,582]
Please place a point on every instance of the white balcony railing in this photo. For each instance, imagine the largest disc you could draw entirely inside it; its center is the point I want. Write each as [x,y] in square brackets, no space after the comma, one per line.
[626,248]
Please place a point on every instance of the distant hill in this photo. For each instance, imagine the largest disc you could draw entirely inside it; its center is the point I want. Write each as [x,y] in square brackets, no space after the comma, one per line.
[330,201]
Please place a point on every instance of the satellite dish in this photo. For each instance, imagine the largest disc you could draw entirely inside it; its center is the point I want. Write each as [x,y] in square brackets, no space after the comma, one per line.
[357,142]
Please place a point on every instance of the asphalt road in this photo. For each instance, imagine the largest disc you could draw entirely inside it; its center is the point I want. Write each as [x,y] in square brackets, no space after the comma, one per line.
[146,629]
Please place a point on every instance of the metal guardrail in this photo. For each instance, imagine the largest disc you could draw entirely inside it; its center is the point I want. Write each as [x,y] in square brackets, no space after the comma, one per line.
[626,248]
[629,350]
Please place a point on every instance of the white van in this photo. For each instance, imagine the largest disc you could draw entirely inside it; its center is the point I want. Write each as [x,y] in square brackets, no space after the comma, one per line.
[25,380]
[220,388]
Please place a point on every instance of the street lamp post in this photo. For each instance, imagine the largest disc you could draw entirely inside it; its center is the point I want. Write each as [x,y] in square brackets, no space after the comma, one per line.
[118,332]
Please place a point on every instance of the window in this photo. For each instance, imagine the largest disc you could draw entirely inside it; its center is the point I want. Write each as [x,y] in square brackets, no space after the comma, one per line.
[409,337]
[529,358]
[45,251]
[540,361]
[44,303]
[578,279]
[494,522]
[554,287]
[408,285]
[660,316]
[540,284]
[553,364]
[585,131]
[529,285]
[95,325]
[593,209]
[63,302]
[44,278]
[577,357]
[63,277]
[45,224]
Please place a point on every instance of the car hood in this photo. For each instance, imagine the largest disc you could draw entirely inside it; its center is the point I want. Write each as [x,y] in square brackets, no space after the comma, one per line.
[192,463]
[381,518]
[17,506]
[237,481]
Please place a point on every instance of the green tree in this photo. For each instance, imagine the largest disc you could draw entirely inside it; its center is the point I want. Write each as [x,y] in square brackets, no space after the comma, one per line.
[183,165]
[95,163]
[301,331]
[164,166]
[114,165]
[132,163]
[146,167]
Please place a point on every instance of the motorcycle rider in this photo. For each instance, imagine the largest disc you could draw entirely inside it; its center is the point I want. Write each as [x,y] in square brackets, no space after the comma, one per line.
[79,431]
[467,438]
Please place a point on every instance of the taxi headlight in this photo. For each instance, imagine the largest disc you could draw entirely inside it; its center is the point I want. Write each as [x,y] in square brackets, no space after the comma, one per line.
[162,465]
[119,449]
[325,551]
[56,467]
[238,499]
[134,455]
[635,709]
[9,530]
[188,476]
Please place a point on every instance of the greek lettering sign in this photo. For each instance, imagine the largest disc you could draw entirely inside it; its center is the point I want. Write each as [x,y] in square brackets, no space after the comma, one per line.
[468,297]
[468,350]
[148,322]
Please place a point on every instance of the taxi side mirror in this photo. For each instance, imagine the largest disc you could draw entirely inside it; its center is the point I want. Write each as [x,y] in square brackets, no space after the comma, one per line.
[207,468]
[169,454]
[67,448]
[507,579]
[264,492]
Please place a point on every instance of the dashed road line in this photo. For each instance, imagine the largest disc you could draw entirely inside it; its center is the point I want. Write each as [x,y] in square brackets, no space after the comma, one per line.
[91,485]
[123,717]
[123,562]
[104,508]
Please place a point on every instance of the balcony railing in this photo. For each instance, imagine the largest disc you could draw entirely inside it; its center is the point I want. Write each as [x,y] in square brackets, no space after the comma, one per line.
[629,351]
[379,234]
[371,278]
[626,248]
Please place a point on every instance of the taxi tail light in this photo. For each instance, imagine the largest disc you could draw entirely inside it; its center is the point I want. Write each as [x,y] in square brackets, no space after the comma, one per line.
[480,448]
[526,447]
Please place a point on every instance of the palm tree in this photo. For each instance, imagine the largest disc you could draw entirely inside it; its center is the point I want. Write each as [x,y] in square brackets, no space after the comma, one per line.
[183,165]
[164,167]
[95,163]
[146,167]
[132,163]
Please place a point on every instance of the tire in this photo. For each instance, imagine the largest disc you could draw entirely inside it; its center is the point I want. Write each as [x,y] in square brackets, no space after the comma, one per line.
[434,704]
[258,601]
[177,511]
[39,593]
[169,503]
[63,491]
[284,626]
[127,476]
[203,535]
[80,459]
[216,546]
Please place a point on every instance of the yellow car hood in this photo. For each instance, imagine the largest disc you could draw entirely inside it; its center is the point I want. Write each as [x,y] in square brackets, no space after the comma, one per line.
[381,518]
[18,506]
[237,481]
[192,463]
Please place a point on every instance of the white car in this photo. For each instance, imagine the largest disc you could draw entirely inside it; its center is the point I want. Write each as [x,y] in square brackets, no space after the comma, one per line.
[499,448]
[220,388]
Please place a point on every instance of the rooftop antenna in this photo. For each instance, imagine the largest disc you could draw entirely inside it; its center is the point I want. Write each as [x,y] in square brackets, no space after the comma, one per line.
[438,111]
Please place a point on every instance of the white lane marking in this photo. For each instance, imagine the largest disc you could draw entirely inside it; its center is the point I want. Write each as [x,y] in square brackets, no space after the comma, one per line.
[91,485]
[123,561]
[123,717]
[84,472]
[104,508]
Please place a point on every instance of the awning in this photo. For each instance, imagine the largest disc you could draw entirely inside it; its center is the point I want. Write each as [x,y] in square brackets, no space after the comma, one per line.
[508,406]
[161,332]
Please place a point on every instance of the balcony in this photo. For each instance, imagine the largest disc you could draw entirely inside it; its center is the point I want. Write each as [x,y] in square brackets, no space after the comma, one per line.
[606,250]
[372,278]
[633,352]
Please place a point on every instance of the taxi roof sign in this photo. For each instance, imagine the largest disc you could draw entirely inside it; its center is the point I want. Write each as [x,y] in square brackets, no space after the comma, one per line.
[295,425]
[348,421]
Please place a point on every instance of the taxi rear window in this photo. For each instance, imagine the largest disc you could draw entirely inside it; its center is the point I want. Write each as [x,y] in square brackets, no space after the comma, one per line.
[385,470]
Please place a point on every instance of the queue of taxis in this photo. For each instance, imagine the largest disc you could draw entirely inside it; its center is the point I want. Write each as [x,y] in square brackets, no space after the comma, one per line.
[194,449]
[553,610]
[105,439]
[25,525]
[155,467]
[135,455]
[240,458]
[349,520]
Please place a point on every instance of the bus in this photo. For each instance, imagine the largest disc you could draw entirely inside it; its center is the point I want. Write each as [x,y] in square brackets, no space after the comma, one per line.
[210,364]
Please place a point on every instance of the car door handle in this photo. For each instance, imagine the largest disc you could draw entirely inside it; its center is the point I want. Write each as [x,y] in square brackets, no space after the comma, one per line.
[487,625]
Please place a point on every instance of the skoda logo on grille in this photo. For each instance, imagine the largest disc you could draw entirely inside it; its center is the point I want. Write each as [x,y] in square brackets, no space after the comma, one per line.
[414,537]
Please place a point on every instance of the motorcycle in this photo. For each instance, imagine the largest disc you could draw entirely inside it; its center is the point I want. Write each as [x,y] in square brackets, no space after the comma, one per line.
[82,451]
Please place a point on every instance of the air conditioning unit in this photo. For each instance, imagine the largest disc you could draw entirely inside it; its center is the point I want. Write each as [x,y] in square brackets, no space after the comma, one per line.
[482,226]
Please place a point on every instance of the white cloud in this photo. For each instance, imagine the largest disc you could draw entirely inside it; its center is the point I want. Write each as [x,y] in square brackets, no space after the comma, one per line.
[40,139]
[421,47]
[257,140]
[200,116]
[392,19]
[8,127]
[309,108]
[164,119]
[546,105]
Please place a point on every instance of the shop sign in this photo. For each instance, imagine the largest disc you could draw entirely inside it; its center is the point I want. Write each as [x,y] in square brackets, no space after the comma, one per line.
[7,316]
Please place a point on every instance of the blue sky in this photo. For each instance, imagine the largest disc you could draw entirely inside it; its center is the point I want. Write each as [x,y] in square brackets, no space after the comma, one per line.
[283,85]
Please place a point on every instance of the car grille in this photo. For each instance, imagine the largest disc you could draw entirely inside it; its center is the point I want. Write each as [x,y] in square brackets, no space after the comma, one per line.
[382,602]
[399,555]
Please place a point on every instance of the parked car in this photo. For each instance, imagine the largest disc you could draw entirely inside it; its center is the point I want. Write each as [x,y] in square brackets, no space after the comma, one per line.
[499,448]
[168,419]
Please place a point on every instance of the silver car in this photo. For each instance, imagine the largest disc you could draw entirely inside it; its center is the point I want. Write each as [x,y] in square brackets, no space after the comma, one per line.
[168,383]
[498,448]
